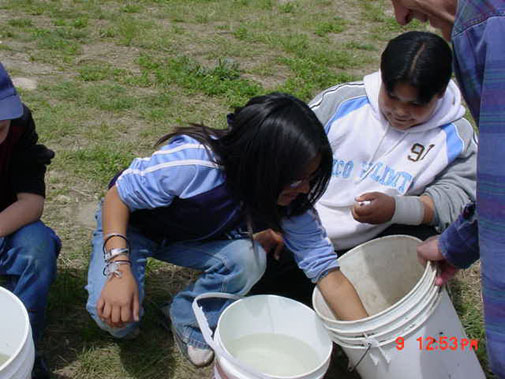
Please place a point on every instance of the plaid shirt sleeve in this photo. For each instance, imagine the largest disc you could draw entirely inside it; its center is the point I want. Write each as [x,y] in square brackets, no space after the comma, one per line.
[459,243]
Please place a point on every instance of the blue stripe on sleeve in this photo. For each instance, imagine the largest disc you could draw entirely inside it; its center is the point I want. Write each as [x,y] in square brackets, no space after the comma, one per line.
[345,108]
[182,168]
[454,143]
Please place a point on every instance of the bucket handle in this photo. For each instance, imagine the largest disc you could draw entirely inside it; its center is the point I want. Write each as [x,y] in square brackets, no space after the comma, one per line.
[207,333]
[374,343]
[371,343]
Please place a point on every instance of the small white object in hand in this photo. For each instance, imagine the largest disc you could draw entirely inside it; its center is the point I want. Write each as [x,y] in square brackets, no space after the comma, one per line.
[364,202]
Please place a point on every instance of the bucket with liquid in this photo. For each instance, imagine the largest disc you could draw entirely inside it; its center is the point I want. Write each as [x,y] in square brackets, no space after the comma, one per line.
[17,352]
[413,330]
[266,337]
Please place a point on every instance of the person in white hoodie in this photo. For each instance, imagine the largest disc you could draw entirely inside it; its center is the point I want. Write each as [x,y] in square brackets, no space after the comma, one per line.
[404,157]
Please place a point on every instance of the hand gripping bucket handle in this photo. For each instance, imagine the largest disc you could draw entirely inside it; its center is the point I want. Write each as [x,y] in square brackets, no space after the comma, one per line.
[208,335]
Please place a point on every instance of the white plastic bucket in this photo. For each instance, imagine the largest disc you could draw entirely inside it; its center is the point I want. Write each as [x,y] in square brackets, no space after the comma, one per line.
[290,328]
[15,338]
[402,300]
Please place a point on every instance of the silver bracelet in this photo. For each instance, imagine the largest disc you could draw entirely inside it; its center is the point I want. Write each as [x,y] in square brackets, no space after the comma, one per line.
[112,268]
[112,253]
[112,235]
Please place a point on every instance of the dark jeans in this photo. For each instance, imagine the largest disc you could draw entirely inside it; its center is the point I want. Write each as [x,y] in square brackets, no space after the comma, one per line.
[284,278]
[28,263]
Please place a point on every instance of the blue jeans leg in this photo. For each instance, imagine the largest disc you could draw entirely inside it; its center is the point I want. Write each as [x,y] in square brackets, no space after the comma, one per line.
[28,258]
[230,266]
[141,249]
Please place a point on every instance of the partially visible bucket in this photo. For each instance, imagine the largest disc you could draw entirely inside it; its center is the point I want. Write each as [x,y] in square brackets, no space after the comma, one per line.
[266,337]
[16,344]
[406,310]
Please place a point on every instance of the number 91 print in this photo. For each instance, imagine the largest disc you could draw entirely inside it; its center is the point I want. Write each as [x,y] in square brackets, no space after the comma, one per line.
[440,343]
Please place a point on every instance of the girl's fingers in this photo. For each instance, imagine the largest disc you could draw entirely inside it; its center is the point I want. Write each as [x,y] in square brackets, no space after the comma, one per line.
[106,310]
[125,315]
[106,314]
[268,246]
[278,251]
[136,307]
[270,241]
[99,307]
[115,316]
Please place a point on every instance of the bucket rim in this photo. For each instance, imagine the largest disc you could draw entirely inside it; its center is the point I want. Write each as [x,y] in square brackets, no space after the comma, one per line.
[377,320]
[324,362]
[429,270]
[406,333]
[249,298]
[26,331]
[403,326]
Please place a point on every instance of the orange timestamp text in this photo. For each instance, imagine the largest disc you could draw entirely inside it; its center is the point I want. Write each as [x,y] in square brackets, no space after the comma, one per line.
[441,343]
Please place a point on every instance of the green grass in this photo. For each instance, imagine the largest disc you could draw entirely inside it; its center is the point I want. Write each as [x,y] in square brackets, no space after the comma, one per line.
[223,78]
[113,76]
[98,162]
[337,25]
[20,22]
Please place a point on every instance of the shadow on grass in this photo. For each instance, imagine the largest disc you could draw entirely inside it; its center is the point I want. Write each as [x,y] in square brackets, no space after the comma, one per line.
[76,348]
[339,366]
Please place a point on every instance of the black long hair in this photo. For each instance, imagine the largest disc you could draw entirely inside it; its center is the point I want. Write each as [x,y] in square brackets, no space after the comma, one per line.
[268,144]
[420,59]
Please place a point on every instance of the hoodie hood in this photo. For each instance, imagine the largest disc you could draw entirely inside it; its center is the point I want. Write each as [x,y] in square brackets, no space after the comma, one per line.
[448,108]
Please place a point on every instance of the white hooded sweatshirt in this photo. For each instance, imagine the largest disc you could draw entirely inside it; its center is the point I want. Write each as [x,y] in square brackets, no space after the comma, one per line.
[437,157]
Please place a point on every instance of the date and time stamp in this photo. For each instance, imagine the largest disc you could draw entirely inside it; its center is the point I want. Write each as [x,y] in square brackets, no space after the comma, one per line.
[440,343]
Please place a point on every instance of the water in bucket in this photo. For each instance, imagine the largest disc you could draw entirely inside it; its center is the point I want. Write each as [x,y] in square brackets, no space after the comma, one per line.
[275,354]
[266,337]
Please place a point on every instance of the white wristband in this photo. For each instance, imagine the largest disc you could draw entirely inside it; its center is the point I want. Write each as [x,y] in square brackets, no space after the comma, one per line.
[409,210]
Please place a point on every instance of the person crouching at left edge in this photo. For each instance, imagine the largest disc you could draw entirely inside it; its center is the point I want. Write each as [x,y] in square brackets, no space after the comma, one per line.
[28,248]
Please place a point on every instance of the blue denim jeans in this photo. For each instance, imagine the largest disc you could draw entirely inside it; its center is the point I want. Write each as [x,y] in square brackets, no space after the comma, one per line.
[231,266]
[28,261]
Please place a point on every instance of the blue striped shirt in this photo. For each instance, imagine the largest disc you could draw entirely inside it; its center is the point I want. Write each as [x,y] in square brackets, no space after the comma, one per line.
[183,169]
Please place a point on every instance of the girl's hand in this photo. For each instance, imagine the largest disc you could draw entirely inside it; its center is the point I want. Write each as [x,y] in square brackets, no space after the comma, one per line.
[373,208]
[119,301]
[272,242]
